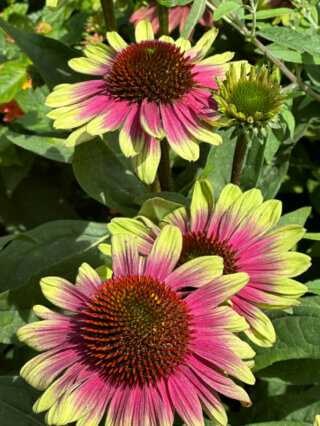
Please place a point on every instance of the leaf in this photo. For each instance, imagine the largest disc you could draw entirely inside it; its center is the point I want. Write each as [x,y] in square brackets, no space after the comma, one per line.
[272,13]
[297,217]
[169,196]
[174,3]
[314,236]
[51,148]
[294,372]
[12,76]
[157,208]
[48,55]
[253,165]
[292,407]
[196,12]
[286,54]
[298,336]
[313,286]
[224,9]
[289,119]
[105,178]
[16,400]
[51,243]
[294,39]
[284,423]
[219,162]
[55,248]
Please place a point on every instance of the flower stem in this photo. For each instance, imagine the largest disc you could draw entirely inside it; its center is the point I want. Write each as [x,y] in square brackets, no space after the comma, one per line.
[108,14]
[163,13]
[164,170]
[238,159]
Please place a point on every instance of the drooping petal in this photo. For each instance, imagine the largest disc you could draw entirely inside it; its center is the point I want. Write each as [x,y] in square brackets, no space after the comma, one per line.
[146,162]
[125,258]
[183,144]
[131,136]
[201,206]
[178,218]
[110,118]
[150,119]
[88,66]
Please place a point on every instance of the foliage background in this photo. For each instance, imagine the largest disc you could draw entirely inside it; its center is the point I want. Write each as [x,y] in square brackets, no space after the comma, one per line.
[55,203]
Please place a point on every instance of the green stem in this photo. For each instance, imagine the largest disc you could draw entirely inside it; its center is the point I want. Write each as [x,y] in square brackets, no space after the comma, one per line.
[163,13]
[108,14]
[261,159]
[164,170]
[238,159]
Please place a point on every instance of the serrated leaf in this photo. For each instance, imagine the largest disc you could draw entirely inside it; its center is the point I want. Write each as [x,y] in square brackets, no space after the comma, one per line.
[224,9]
[294,39]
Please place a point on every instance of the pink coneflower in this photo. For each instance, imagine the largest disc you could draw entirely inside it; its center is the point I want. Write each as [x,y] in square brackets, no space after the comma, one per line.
[12,111]
[151,90]
[241,229]
[177,16]
[135,348]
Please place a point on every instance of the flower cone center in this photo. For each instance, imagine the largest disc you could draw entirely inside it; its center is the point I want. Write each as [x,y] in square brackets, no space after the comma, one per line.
[152,70]
[198,244]
[136,329]
[251,96]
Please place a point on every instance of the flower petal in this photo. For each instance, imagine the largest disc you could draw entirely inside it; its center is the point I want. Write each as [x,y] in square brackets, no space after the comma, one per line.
[131,136]
[150,119]
[88,280]
[201,206]
[110,119]
[116,41]
[144,31]
[165,253]
[196,273]
[88,66]
[125,257]
[99,52]
[146,162]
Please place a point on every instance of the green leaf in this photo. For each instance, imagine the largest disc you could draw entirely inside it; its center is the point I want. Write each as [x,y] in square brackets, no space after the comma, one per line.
[294,39]
[283,423]
[297,217]
[314,236]
[289,119]
[48,55]
[157,208]
[55,248]
[224,9]
[51,244]
[272,13]
[313,286]
[294,372]
[174,3]
[169,196]
[51,148]
[289,55]
[298,336]
[292,407]
[253,164]
[12,76]
[16,400]
[219,162]
[196,12]
[103,175]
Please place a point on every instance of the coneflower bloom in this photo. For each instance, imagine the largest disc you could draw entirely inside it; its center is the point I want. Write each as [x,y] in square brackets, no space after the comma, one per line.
[151,89]
[135,349]
[241,228]
[177,16]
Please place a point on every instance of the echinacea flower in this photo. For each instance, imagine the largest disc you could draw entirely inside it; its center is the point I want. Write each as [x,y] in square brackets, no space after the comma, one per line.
[135,348]
[177,16]
[151,89]
[251,102]
[240,228]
